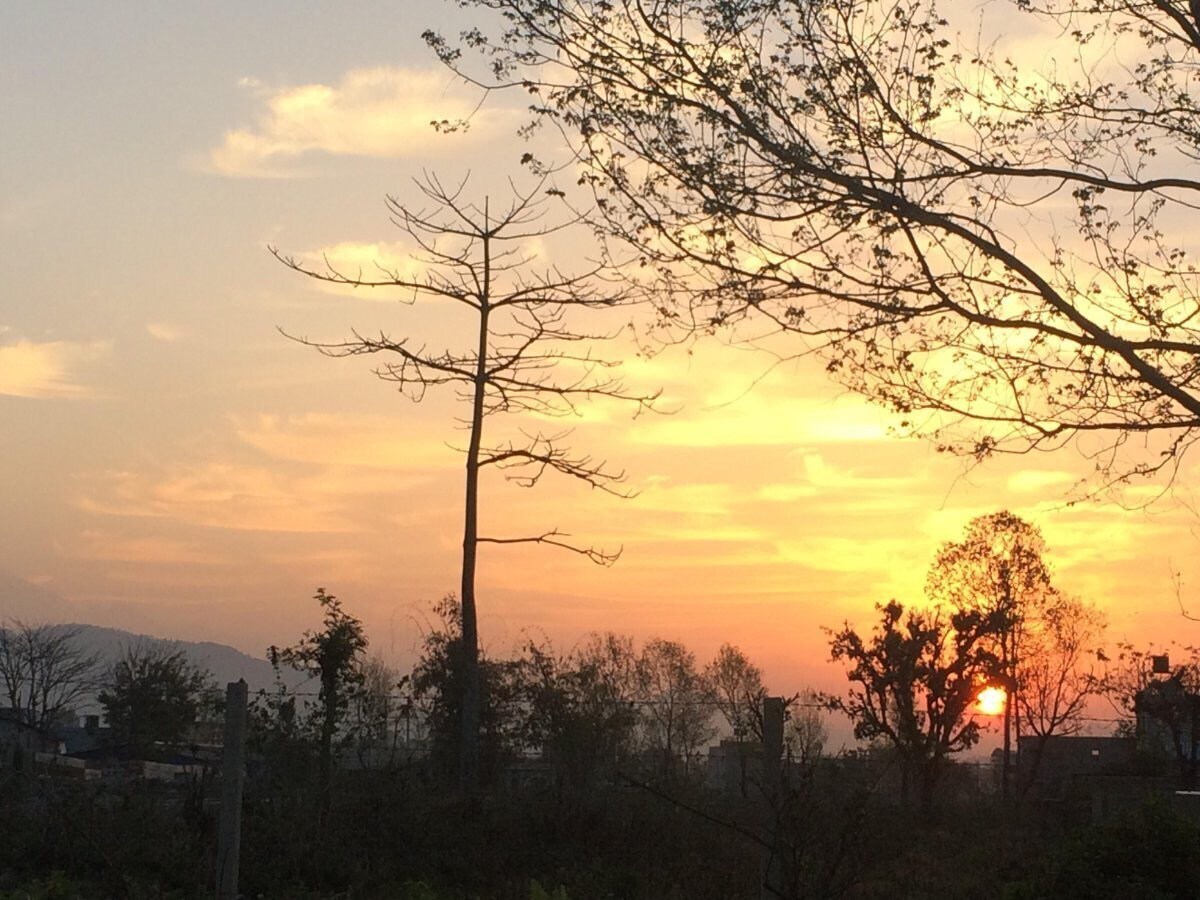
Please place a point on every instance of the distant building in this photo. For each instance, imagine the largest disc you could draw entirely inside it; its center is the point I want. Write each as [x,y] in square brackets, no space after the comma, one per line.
[1049,765]
[733,767]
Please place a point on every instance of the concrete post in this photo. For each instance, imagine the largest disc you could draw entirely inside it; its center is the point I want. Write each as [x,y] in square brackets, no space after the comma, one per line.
[233,774]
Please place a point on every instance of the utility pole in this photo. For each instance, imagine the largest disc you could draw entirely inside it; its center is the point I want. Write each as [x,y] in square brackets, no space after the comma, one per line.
[233,773]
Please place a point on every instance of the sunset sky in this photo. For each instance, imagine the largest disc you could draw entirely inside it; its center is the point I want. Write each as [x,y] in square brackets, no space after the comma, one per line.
[170,463]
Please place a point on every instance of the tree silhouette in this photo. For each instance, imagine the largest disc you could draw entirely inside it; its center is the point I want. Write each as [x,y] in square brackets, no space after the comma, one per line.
[332,655]
[525,355]
[153,694]
[44,671]
[998,254]
[998,566]
[914,683]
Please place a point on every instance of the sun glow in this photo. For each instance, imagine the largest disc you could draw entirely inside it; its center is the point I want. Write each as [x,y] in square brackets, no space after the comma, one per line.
[990,701]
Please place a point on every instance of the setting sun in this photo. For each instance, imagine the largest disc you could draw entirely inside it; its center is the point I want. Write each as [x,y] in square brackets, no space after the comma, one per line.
[990,701]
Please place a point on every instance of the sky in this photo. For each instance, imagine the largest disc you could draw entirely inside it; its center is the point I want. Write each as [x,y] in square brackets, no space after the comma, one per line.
[171,463]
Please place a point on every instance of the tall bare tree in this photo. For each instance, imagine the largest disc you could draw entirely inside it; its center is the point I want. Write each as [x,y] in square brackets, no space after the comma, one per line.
[998,253]
[527,354]
[45,671]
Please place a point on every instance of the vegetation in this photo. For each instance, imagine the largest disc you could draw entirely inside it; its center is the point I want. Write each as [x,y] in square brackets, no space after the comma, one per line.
[996,251]
[154,695]
[44,673]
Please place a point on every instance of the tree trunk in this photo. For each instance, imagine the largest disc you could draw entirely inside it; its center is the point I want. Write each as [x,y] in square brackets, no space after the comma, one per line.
[468,762]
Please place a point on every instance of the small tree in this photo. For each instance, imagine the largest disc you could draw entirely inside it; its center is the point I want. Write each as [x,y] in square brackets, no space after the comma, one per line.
[154,694]
[676,700]
[805,732]
[333,655]
[1055,674]
[914,683]
[520,357]
[580,711]
[437,683]
[44,671]
[738,692]
[374,725]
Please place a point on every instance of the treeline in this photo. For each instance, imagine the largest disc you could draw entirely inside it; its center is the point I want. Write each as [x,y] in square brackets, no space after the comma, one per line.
[604,709]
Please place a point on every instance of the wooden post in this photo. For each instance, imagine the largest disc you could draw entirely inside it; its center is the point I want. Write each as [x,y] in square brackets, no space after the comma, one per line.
[233,773]
[772,738]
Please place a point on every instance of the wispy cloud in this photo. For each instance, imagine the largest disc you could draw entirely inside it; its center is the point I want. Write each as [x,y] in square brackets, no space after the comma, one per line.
[379,112]
[164,331]
[218,494]
[49,369]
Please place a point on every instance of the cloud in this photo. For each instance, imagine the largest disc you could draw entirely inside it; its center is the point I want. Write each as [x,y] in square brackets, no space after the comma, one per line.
[341,440]
[379,112]
[47,369]
[217,494]
[366,261]
[164,331]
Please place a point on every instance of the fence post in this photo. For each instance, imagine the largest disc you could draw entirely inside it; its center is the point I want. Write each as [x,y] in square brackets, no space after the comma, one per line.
[233,773]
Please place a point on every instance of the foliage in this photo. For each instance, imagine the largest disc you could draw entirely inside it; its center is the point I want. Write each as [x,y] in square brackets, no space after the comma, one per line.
[580,711]
[738,691]
[332,655]
[1153,854]
[153,694]
[914,683]
[677,703]
[44,672]
[995,251]
[805,732]
[437,684]
[998,566]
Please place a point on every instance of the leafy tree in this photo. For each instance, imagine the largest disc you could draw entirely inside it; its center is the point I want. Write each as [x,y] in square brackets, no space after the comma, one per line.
[996,252]
[519,357]
[437,684]
[332,655]
[581,713]
[154,694]
[738,691]
[999,566]
[44,672]
[914,682]
[677,703]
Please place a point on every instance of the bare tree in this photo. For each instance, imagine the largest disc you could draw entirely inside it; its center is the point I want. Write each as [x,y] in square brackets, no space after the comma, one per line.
[999,254]
[1055,675]
[526,355]
[45,671]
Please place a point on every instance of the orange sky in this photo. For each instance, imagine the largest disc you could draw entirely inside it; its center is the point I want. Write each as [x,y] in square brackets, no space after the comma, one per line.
[170,463]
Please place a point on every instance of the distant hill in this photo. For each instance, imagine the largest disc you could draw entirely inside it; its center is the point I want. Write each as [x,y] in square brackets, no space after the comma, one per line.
[226,663]
[21,599]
